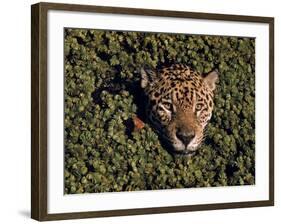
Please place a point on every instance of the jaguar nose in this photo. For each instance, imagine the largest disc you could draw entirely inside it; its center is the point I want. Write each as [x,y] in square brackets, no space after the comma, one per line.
[185,138]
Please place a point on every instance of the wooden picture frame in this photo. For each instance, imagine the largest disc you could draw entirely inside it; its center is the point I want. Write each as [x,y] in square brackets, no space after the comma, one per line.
[39,110]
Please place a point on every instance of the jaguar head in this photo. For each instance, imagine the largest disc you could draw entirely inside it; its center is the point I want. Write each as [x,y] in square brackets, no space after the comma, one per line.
[179,104]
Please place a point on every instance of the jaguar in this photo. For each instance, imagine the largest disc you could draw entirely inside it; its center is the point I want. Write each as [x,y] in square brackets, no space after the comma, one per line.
[179,104]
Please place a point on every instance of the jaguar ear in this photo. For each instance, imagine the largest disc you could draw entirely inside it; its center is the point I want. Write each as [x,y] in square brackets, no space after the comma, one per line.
[148,76]
[211,79]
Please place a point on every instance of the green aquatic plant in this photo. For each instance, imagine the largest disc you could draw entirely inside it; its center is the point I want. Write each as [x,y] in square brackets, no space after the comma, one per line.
[103,150]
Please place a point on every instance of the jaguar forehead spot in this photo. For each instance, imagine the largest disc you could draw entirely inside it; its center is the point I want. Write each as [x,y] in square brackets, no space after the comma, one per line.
[173,84]
[157,94]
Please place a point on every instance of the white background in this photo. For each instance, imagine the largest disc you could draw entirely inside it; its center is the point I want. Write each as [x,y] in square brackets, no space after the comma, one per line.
[15,112]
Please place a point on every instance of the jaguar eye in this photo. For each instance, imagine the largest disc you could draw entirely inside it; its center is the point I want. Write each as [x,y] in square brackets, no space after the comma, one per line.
[198,107]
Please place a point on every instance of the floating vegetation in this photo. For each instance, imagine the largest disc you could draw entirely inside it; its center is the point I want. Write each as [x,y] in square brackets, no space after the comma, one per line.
[104,149]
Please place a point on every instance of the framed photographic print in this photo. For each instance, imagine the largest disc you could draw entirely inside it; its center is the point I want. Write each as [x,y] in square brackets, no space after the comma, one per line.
[139,111]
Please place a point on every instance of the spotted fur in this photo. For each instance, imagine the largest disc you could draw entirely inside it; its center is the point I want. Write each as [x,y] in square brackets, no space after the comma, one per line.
[180,104]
